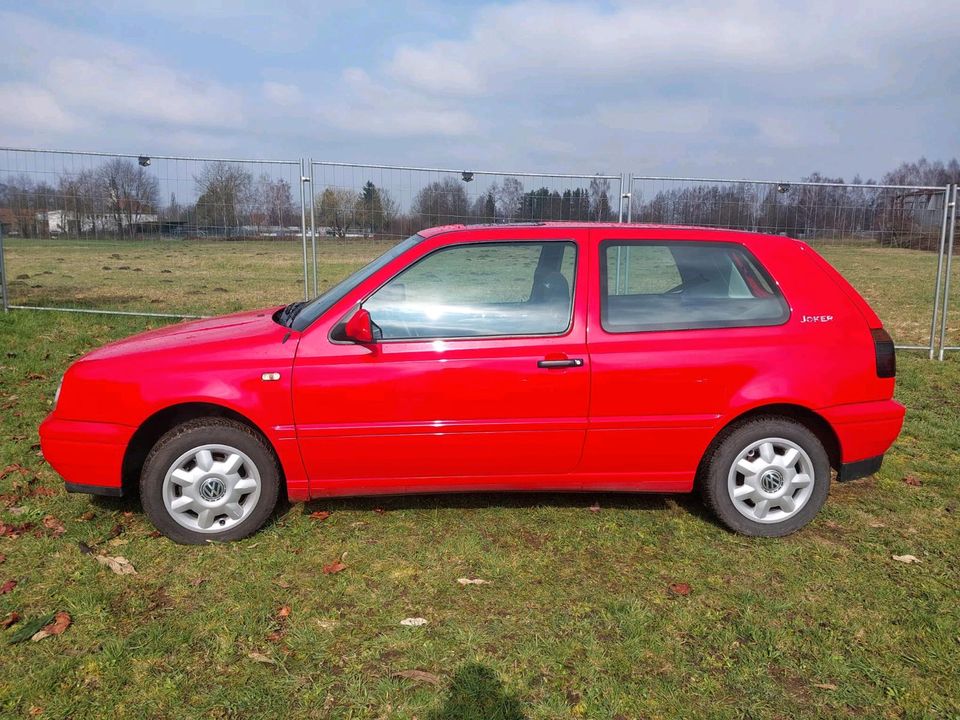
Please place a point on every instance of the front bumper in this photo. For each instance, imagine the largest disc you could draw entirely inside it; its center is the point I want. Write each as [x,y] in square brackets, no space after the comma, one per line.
[87,455]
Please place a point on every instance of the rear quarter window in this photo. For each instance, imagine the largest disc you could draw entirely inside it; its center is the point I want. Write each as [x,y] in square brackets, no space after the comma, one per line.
[651,285]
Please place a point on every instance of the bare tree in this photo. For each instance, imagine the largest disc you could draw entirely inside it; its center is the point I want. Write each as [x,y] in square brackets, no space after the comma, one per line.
[274,202]
[129,192]
[225,193]
[336,208]
[442,202]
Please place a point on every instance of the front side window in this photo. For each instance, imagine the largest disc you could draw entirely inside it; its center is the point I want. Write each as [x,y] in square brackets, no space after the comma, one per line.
[684,286]
[479,290]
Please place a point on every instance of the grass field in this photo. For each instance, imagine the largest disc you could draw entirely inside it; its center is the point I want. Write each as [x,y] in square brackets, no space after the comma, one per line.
[578,618]
[210,277]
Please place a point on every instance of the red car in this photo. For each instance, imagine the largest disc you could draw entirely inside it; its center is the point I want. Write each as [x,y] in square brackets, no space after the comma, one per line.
[560,357]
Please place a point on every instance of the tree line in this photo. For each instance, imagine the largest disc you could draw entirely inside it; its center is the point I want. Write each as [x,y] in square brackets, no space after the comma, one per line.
[122,197]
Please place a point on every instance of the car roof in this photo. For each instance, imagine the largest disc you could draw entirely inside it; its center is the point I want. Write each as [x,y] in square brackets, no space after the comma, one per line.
[713,231]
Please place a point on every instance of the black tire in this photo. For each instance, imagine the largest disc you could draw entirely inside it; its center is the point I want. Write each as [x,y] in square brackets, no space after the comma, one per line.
[720,457]
[194,434]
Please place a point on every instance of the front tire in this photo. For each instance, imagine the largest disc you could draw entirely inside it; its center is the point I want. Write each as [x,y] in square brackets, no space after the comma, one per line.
[767,477]
[209,480]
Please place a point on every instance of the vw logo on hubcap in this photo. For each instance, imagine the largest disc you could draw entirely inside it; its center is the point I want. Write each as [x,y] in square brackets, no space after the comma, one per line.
[212,489]
[771,481]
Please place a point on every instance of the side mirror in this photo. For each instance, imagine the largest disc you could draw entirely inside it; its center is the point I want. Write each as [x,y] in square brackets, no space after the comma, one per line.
[359,328]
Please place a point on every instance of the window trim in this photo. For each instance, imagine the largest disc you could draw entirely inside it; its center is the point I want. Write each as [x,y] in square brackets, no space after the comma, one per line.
[783,319]
[469,243]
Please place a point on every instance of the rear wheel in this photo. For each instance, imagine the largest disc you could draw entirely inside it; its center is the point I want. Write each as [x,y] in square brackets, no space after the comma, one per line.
[210,479]
[768,476]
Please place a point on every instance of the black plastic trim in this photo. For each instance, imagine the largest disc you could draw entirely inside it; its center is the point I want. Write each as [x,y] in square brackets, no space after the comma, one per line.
[94,489]
[859,469]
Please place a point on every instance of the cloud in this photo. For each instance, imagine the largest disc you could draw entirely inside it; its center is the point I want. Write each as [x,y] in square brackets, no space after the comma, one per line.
[36,109]
[71,81]
[364,106]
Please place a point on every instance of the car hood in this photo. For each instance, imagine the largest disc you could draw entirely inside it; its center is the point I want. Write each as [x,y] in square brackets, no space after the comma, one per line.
[238,331]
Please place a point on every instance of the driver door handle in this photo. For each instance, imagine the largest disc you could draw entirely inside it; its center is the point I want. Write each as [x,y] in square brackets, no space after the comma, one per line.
[560,363]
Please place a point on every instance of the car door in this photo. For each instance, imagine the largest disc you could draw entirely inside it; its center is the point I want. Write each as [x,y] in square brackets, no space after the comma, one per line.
[479,376]
[677,326]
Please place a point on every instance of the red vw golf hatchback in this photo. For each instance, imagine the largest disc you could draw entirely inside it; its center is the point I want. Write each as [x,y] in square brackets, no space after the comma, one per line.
[554,357]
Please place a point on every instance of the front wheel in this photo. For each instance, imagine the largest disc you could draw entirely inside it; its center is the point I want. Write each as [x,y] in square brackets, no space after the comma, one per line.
[210,479]
[767,477]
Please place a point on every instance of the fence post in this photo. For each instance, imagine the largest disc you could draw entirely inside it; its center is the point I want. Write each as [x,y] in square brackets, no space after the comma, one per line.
[946,282]
[303,229]
[313,230]
[630,198]
[937,288]
[3,276]
[622,198]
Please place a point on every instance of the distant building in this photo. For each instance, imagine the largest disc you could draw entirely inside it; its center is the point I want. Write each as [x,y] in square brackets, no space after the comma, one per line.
[130,214]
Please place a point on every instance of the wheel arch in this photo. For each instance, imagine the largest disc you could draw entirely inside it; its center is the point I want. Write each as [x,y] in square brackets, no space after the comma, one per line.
[812,420]
[154,427]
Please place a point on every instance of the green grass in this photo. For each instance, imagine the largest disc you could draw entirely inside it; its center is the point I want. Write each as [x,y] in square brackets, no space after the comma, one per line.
[577,621]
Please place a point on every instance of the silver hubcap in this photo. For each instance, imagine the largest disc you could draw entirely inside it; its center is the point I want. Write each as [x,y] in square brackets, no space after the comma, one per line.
[771,480]
[211,488]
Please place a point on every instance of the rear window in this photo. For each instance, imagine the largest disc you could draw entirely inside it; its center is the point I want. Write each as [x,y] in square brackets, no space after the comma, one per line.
[648,286]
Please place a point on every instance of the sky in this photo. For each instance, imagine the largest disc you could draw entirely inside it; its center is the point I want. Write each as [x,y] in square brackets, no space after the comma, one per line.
[768,90]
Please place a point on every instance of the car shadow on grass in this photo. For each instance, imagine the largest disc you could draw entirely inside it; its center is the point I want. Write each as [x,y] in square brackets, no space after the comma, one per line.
[598,501]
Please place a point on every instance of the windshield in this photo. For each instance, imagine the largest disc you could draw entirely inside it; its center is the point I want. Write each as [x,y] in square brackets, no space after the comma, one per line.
[317,307]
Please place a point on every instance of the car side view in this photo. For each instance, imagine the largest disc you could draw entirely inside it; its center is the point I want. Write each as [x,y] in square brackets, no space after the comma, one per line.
[542,357]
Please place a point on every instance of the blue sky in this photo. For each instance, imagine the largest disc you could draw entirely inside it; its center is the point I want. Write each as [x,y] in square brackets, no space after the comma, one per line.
[739,89]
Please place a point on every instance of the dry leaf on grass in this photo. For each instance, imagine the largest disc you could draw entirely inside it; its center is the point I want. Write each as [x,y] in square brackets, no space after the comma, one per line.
[319,515]
[11,619]
[825,686]
[877,524]
[912,480]
[261,658]
[334,567]
[14,531]
[60,623]
[8,586]
[380,511]
[3,558]
[595,507]
[88,516]
[284,611]
[472,581]
[120,565]
[414,621]
[13,468]
[54,525]
[419,676]
[680,589]
[276,635]
[908,559]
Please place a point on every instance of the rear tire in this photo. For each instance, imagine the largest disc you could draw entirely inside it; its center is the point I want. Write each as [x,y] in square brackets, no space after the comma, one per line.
[209,480]
[768,477]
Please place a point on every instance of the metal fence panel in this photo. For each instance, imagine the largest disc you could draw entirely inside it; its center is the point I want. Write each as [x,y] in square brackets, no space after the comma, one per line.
[361,210]
[950,318]
[149,235]
[887,240]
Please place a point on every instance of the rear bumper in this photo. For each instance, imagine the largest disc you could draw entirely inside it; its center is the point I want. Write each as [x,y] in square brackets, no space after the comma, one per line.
[859,469]
[87,455]
[866,431]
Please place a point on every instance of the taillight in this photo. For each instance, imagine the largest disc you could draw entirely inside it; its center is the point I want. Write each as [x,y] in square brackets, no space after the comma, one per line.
[886,354]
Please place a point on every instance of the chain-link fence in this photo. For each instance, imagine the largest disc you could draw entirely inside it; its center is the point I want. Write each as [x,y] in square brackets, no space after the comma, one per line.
[159,235]
[886,239]
[179,236]
[368,208]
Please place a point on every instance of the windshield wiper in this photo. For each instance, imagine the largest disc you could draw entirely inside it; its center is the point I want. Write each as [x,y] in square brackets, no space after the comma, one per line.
[290,312]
